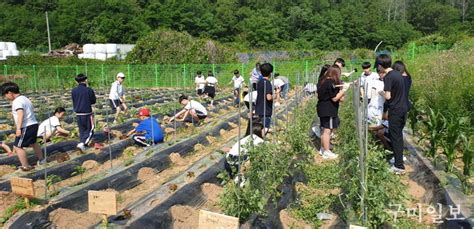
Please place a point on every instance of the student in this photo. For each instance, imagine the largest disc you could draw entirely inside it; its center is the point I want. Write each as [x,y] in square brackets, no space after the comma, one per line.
[117,96]
[193,111]
[6,148]
[324,68]
[200,82]
[148,130]
[395,95]
[255,76]
[238,82]
[211,87]
[231,163]
[250,97]
[310,88]
[83,97]
[375,107]
[329,96]
[400,67]
[278,85]
[264,103]
[339,62]
[366,76]
[286,87]
[52,126]
[26,125]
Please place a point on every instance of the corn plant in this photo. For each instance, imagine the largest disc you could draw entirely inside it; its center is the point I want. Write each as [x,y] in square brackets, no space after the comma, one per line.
[435,124]
[413,116]
[451,138]
[468,155]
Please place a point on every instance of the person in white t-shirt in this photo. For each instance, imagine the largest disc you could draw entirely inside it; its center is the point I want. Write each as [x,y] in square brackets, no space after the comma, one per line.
[26,125]
[238,82]
[279,85]
[52,126]
[255,76]
[193,111]
[231,163]
[117,96]
[366,76]
[211,87]
[200,82]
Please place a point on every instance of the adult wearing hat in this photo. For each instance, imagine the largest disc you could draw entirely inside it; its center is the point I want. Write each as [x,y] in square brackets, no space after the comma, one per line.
[148,130]
[117,96]
[83,97]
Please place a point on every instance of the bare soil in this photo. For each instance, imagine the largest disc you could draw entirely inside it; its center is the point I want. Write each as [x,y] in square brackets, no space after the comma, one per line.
[90,164]
[7,199]
[6,169]
[67,219]
[288,222]
[146,173]
[184,217]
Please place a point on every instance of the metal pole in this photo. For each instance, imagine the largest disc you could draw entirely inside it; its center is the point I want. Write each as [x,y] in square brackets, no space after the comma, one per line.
[47,28]
[45,154]
[34,77]
[174,119]
[108,136]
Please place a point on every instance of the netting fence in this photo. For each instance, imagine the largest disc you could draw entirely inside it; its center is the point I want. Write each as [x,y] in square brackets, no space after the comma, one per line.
[60,77]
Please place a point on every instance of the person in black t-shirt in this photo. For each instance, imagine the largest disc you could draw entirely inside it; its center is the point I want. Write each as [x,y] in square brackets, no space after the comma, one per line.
[395,95]
[329,96]
[400,67]
[264,104]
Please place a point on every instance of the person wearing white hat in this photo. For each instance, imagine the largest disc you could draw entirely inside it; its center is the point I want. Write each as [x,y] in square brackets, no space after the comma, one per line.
[117,96]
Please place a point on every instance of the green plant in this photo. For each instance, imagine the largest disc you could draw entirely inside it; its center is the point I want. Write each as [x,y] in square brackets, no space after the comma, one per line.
[435,123]
[241,202]
[51,180]
[79,170]
[18,206]
[451,138]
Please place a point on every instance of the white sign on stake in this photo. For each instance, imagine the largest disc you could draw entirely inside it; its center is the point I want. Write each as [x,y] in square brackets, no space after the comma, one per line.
[102,202]
[212,220]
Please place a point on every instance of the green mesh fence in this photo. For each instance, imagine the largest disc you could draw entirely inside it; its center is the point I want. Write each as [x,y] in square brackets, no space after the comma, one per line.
[60,77]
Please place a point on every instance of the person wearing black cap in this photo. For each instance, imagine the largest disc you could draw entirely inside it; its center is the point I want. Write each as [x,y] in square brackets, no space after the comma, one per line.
[83,97]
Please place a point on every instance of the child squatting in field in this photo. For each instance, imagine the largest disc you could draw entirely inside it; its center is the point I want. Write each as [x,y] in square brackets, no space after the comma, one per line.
[148,130]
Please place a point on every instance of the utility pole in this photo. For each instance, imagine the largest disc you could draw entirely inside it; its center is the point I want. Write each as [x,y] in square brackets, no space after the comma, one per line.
[47,27]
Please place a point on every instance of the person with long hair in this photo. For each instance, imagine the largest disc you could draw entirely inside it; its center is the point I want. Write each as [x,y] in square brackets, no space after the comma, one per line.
[330,93]
[399,66]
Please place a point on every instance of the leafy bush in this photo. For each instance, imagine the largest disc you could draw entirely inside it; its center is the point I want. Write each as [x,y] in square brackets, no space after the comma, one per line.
[170,47]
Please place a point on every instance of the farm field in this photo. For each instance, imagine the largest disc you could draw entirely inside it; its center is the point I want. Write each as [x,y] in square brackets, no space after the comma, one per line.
[286,183]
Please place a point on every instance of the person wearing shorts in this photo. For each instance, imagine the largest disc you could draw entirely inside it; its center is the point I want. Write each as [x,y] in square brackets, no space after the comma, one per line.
[26,125]
[211,86]
[117,96]
[329,96]
[6,148]
[192,112]
[200,82]
[238,82]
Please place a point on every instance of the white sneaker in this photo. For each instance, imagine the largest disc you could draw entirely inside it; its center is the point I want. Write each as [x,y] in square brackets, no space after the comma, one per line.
[328,155]
[81,147]
[397,171]
[41,162]
[392,160]
[321,151]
